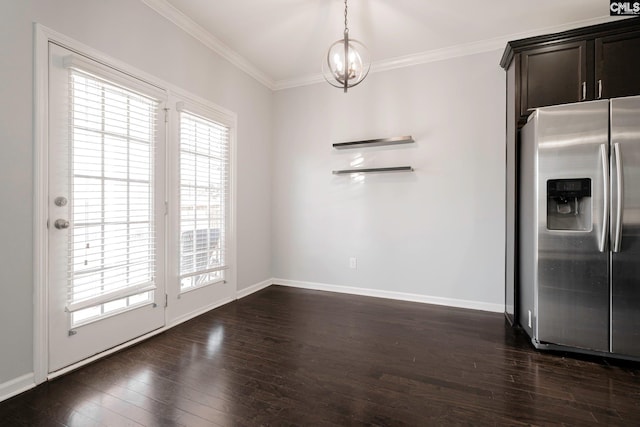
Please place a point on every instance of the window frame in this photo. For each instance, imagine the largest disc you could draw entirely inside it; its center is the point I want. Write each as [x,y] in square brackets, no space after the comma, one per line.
[187,300]
[188,108]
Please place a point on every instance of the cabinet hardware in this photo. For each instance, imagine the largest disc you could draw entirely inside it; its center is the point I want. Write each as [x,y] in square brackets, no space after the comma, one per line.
[599,89]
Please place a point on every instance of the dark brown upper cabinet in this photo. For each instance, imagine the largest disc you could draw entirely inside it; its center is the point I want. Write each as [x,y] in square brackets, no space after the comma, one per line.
[617,65]
[553,75]
[596,62]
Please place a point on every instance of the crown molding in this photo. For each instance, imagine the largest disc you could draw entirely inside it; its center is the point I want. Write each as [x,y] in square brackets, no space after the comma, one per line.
[447,52]
[300,81]
[189,26]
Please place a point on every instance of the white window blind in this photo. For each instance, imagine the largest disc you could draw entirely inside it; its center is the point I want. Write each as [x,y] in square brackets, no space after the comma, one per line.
[112,247]
[204,200]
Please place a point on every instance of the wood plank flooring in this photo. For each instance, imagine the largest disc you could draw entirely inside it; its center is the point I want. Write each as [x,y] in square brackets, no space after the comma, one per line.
[286,356]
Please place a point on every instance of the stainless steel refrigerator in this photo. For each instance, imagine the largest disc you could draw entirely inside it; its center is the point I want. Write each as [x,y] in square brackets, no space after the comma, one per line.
[579,227]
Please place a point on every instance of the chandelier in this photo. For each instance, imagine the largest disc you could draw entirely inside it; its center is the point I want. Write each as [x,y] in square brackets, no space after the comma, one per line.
[347,62]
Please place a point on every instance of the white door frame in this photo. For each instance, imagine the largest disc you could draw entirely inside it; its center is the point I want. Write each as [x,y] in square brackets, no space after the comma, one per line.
[41,37]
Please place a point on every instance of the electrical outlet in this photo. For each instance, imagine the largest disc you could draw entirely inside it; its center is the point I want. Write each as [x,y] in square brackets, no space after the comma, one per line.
[353,262]
[530,318]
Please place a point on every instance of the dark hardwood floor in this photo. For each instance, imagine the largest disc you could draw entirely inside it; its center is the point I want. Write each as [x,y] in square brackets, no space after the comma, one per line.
[288,356]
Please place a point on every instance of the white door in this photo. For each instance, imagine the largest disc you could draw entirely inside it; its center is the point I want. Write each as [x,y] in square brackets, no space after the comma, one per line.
[106,208]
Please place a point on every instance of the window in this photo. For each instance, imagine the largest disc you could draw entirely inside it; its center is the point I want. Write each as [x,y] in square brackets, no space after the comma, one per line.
[111,258]
[204,200]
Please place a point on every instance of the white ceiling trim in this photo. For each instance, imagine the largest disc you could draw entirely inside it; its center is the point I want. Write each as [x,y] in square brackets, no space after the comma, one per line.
[181,20]
[446,53]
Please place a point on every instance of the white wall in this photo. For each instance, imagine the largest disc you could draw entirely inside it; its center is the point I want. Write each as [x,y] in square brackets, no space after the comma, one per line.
[436,232]
[130,32]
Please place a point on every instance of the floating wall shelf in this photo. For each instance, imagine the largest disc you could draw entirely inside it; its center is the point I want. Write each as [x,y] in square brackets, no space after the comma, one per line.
[374,170]
[374,142]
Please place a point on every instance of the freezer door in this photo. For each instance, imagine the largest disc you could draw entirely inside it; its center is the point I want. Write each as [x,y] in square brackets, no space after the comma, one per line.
[573,254]
[625,226]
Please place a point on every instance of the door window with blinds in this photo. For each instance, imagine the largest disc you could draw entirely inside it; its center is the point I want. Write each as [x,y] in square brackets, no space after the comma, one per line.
[204,200]
[112,245]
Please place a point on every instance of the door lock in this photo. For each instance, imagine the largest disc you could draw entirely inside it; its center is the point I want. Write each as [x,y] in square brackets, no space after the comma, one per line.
[61,224]
[60,201]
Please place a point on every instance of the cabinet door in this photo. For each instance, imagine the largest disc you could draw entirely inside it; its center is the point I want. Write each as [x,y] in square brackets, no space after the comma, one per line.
[618,65]
[553,75]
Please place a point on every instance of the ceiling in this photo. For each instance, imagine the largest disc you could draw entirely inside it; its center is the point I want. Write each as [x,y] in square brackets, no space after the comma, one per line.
[282,42]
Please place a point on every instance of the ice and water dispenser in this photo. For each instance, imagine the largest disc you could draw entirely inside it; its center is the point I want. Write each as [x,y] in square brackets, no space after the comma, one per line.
[569,204]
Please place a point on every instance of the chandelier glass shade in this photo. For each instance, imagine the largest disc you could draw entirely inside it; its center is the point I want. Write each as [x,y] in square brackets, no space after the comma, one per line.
[347,62]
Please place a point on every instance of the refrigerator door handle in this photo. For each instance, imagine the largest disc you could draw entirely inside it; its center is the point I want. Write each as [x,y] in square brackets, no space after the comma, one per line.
[605,181]
[619,194]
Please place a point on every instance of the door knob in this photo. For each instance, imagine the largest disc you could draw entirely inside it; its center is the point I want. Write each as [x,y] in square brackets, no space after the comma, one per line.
[61,224]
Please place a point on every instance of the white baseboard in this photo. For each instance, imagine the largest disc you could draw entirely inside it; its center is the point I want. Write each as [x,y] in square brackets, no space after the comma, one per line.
[16,386]
[181,319]
[425,299]
[239,294]
[253,288]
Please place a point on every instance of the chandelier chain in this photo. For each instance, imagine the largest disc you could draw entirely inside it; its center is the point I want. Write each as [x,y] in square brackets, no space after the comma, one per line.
[346,28]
